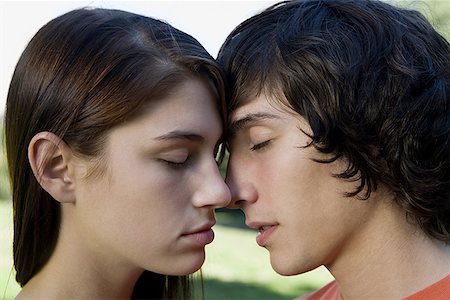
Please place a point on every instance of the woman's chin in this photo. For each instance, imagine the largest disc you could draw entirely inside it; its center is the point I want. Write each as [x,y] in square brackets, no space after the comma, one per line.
[186,264]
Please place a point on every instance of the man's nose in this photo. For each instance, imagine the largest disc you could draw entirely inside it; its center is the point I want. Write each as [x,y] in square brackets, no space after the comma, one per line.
[241,184]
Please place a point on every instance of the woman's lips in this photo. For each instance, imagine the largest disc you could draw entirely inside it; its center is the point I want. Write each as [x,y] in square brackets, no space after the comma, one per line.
[201,238]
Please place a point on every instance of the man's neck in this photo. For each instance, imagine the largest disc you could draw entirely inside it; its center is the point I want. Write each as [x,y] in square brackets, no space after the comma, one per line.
[389,259]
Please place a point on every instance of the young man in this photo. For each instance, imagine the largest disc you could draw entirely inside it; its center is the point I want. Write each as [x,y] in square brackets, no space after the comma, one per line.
[339,142]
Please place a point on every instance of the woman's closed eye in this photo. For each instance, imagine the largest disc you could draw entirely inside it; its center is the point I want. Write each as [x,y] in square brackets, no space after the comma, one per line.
[177,163]
[176,159]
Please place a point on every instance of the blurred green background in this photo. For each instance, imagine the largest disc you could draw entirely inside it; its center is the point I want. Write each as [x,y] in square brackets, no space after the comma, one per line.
[235,267]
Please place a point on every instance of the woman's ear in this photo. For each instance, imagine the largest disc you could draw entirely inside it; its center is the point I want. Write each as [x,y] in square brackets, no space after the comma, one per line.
[50,159]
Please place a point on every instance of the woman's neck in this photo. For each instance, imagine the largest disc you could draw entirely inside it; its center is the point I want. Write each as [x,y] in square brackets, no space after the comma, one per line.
[74,271]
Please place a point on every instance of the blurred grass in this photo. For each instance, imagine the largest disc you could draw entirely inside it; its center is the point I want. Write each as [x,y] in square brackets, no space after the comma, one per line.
[8,286]
[4,182]
[7,289]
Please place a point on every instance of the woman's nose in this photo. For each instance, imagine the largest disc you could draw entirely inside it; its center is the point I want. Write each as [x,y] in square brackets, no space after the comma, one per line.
[212,190]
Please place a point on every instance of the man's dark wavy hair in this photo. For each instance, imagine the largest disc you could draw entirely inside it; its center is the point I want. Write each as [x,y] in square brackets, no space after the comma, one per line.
[372,80]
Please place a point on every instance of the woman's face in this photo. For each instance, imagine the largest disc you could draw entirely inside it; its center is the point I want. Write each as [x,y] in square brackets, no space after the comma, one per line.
[153,206]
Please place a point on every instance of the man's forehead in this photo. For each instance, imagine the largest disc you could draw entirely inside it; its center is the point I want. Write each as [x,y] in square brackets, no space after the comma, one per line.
[260,103]
[250,92]
[247,105]
[258,109]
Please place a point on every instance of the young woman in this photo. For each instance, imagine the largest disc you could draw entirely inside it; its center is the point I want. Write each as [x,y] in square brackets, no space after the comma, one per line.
[113,123]
[340,144]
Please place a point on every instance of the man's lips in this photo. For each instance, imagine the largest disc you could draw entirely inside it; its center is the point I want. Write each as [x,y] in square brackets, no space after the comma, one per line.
[260,225]
[265,231]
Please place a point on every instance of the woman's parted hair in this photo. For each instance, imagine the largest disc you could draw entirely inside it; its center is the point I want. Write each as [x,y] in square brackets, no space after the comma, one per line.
[372,80]
[82,74]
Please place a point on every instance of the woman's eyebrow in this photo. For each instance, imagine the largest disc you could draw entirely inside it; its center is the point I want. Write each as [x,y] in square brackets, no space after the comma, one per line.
[180,135]
[247,120]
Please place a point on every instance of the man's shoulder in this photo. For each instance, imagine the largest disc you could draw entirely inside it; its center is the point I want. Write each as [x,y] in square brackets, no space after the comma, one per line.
[329,292]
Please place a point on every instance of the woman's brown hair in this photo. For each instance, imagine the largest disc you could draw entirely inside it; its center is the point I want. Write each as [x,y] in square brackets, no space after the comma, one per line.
[82,74]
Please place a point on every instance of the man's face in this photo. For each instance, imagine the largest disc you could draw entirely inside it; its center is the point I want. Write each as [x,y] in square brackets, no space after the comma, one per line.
[303,217]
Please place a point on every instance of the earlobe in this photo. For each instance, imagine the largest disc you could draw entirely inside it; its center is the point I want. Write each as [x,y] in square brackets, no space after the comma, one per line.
[50,158]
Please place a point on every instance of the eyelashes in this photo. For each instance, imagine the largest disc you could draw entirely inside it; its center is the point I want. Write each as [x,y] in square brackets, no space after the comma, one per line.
[177,164]
[260,146]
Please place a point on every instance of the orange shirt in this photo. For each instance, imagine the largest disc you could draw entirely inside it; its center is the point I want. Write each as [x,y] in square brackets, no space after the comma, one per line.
[437,291]
[328,292]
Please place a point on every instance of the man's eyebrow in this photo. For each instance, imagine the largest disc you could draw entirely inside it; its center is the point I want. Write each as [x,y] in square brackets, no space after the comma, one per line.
[247,120]
[180,135]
